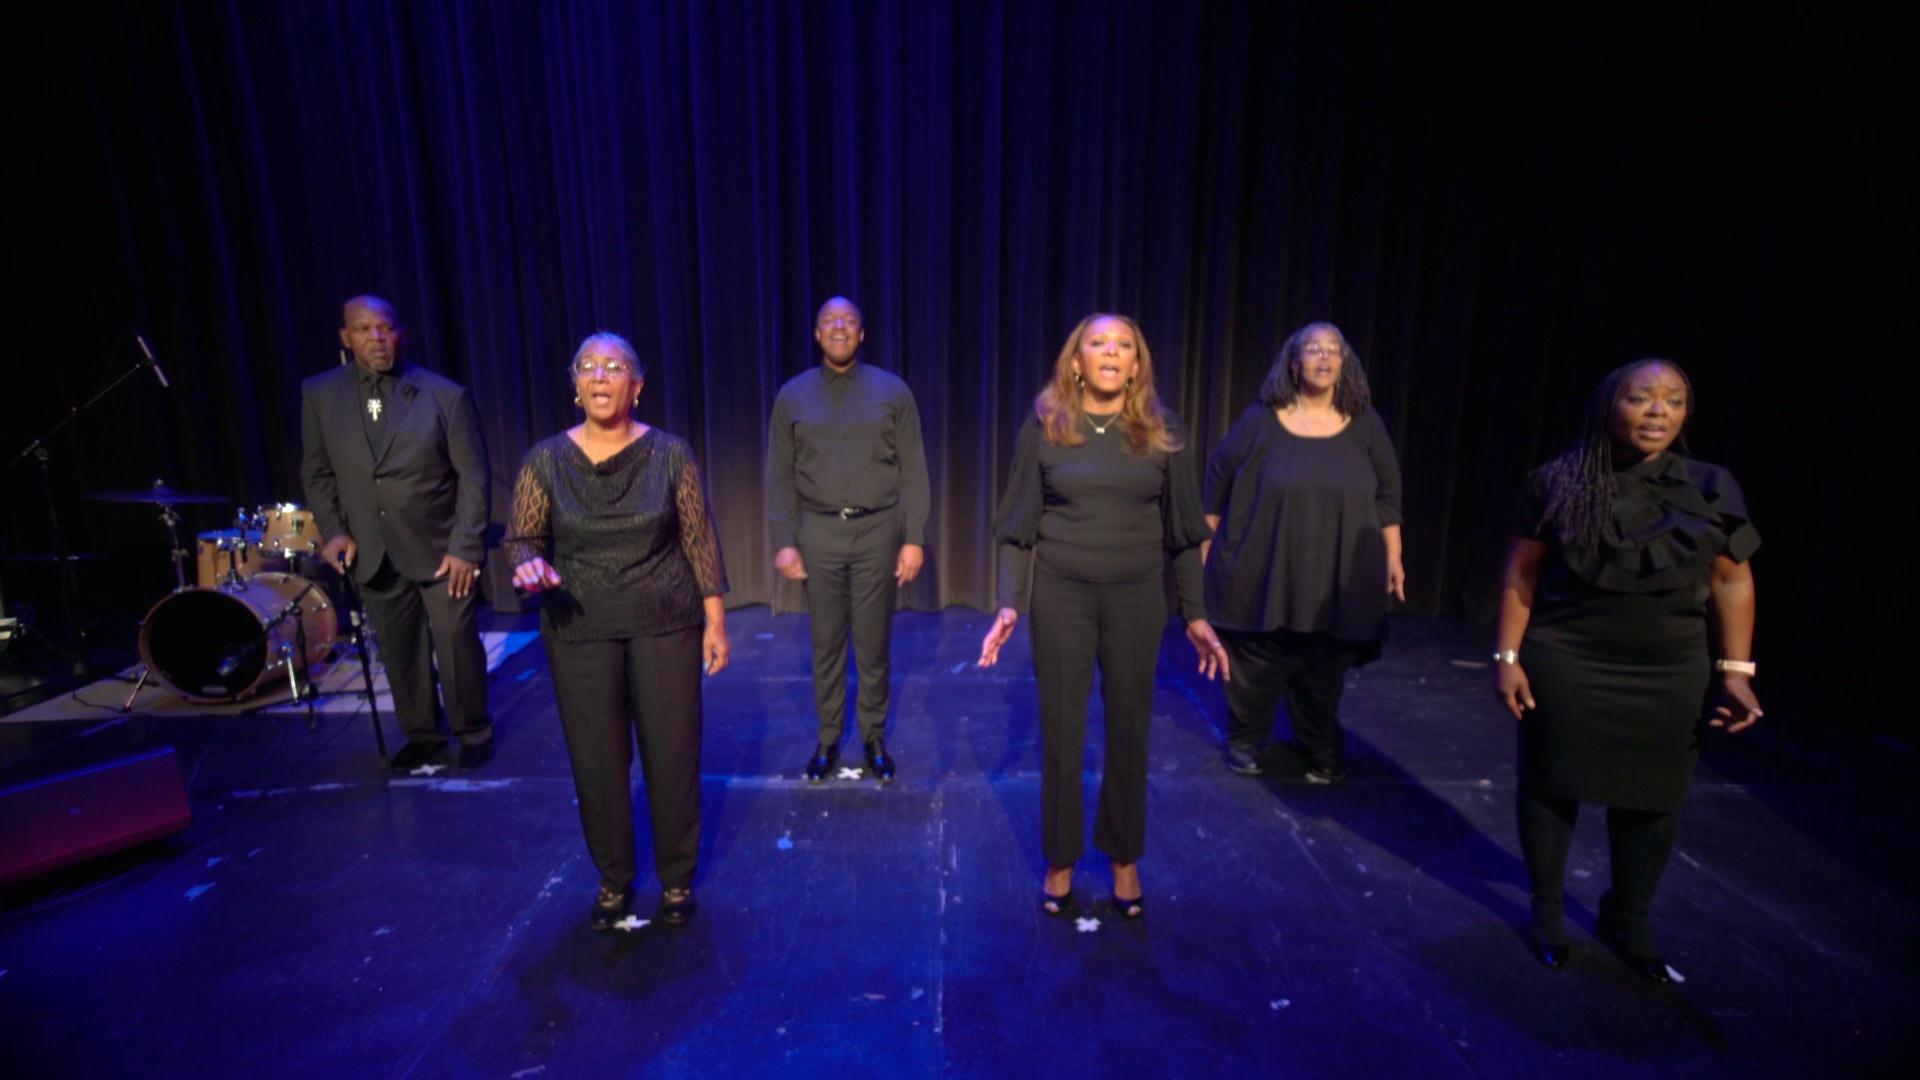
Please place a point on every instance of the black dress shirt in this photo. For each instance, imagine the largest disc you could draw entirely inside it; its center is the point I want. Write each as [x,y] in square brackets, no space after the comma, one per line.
[845,440]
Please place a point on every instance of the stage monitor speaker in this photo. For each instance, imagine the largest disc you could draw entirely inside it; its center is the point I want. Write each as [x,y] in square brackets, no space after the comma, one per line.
[62,820]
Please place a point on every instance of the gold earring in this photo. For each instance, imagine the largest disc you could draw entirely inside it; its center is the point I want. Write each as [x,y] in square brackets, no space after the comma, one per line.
[1077,380]
[576,399]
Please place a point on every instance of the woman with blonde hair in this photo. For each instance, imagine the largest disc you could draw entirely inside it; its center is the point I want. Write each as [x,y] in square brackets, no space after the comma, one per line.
[1102,492]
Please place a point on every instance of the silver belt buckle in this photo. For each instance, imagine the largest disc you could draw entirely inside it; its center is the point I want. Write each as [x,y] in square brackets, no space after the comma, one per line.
[847,512]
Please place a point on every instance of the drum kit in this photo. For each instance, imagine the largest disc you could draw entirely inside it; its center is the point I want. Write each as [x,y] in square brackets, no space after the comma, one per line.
[262,605]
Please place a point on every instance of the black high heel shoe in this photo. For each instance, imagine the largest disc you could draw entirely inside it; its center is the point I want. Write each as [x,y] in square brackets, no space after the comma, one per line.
[609,907]
[1652,968]
[1056,907]
[1130,910]
[676,906]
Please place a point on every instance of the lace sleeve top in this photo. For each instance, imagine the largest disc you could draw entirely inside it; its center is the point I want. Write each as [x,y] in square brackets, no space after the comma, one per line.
[631,537]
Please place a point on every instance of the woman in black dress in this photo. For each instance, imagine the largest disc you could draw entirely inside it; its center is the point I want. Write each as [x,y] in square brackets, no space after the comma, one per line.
[633,615]
[1304,500]
[1627,592]
[1102,491]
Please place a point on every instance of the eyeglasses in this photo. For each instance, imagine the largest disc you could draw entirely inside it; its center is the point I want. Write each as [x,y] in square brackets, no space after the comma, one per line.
[1317,350]
[611,369]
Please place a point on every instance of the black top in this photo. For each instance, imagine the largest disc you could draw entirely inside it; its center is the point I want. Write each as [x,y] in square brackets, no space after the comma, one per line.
[1642,596]
[1300,546]
[1095,512]
[632,537]
[841,439]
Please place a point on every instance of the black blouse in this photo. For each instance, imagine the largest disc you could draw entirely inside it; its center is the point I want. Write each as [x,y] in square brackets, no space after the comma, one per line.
[631,537]
[1097,513]
[1641,596]
[1299,546]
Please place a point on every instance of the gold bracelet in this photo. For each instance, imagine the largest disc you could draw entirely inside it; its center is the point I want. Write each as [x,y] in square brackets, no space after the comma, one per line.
[1506,656]
[1737,667]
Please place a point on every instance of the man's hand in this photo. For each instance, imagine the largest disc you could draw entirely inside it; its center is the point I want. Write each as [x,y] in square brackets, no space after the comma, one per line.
[340,552]
[907,566]
[460,575]
[787,562]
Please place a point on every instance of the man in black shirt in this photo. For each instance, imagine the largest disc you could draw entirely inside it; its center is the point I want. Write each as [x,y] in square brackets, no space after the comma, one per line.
[847,512]
[396,474]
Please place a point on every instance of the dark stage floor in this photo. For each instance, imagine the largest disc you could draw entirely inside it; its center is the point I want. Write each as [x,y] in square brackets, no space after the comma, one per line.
[321,919]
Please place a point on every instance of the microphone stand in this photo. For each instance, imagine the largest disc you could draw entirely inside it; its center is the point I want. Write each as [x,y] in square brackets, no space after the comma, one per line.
[37,450]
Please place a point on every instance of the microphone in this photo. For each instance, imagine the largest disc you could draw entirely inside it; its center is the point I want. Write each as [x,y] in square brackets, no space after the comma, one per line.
[154,364]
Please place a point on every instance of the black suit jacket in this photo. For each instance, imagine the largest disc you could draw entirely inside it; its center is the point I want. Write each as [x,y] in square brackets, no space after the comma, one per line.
[420,495]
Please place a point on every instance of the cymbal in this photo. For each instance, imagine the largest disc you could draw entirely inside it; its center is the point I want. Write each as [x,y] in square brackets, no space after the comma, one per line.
[157,495]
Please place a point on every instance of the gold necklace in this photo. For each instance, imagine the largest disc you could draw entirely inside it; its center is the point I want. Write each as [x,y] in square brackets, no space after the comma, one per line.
[1098,429]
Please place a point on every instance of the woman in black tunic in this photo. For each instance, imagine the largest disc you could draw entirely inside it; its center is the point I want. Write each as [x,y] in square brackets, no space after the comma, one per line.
[1102,491]
[1304,500]
[633,615]
[1628,576]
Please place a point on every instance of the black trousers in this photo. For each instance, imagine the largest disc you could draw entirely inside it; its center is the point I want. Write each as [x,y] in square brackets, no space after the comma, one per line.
[611,692]
[424,633]
[1310,670]
[850,588]
[1077,625]
[1638,845]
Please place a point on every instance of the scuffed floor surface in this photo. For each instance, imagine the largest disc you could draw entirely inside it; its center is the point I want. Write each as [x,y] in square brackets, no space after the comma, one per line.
[322,919]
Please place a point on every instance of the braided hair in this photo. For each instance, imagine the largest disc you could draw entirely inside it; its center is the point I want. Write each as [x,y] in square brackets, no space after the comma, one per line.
[1580,481]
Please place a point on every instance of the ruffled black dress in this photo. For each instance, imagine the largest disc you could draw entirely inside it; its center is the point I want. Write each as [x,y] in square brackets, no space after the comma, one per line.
[1617,648]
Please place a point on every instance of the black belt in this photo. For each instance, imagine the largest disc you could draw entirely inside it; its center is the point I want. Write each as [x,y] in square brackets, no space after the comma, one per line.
[848,513]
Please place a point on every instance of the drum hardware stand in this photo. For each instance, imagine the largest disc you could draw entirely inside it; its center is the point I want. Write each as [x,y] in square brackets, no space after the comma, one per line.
[293,610]
[37,450]
[171,519]
[356,618]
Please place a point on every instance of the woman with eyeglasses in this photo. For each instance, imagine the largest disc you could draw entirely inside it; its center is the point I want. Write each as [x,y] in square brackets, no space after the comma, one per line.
[1304,500]
[611,521]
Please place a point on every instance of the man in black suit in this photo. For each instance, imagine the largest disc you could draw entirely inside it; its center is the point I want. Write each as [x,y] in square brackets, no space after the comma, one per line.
[396,475]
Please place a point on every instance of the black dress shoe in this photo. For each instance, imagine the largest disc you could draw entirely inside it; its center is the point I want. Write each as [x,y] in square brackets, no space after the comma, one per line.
[676,906]
[878,763]
[1327,773]
[1553,957]
[1651,968]
[415,754]
[609,907]
[1244,760]
[824,759]
[474,755]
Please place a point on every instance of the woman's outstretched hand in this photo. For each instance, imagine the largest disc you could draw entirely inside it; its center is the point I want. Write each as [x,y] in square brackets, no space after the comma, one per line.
[997,635]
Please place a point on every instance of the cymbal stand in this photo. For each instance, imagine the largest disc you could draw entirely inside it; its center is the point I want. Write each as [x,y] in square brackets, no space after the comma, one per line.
[171,519]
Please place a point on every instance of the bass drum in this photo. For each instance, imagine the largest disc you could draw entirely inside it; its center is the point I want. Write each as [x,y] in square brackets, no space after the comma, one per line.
[207,645]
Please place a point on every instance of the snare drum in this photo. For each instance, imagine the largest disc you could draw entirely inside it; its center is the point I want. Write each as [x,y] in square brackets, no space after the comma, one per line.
[227,553]
[221,645]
